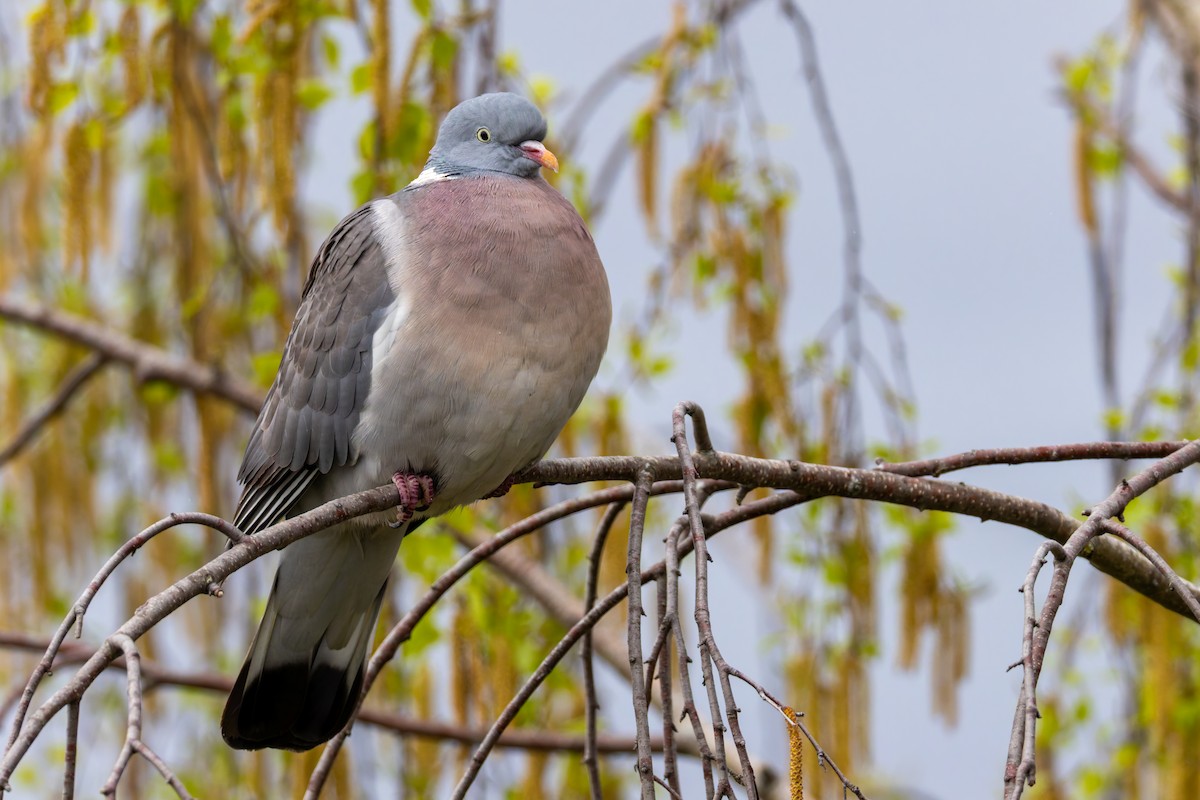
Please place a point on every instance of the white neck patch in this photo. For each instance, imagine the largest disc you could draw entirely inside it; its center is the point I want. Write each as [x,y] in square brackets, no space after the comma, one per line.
[430,175]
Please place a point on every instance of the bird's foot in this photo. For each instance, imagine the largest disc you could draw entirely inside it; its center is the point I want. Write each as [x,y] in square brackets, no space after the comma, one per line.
[502,489]
[416,494]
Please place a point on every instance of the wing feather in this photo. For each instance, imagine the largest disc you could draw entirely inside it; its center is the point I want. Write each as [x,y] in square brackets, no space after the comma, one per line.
[306,425]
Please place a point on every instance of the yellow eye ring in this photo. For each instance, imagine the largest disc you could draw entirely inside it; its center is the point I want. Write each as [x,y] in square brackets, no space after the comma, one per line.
[483,135]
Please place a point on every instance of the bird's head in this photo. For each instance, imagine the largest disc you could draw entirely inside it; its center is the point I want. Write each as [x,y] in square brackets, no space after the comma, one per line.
[500,132]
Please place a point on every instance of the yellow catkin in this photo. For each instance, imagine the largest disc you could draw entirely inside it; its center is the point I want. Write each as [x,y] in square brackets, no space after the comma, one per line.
[381,86]
[47,38]
[795,758]
[103,201]
[647,167]
[426,752]
[77,161]
[1084,186]
[532,787]
[129,35]
[460,673]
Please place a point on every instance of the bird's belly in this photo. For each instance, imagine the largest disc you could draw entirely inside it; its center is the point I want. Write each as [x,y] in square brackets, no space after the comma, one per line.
[471,418]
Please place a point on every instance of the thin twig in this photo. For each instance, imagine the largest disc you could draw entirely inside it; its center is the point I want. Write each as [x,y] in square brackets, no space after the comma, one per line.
[402,630]
[633,573]
[852,279]
[1018,775]
[709,651]
[685,681]
[70,755]
[671,791]
[1152,555]
[1023,739]
[592,704]
[156,676]
[793,719]
[70,386]
[666,690]
[610,601]
[196,583]
[133,729]
[1083,451]
[74,618]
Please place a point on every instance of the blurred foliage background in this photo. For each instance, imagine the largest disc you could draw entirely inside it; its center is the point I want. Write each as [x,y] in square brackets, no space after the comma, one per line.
[151,159]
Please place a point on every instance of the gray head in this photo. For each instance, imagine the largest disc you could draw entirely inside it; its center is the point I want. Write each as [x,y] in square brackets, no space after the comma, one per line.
[500,132]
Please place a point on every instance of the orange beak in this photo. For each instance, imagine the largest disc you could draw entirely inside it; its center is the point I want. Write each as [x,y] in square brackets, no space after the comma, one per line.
[536,151]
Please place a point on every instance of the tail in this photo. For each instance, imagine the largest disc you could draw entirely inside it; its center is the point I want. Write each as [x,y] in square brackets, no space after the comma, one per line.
[303,675]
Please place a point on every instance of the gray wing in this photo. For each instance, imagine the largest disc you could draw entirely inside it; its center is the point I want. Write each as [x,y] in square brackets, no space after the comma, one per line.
[306,423]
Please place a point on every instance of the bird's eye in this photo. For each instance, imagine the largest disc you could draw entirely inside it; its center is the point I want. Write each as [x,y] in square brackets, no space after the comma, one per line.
[483,135]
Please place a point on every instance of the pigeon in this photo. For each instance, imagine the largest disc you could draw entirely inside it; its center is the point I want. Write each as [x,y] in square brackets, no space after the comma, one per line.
[445,335]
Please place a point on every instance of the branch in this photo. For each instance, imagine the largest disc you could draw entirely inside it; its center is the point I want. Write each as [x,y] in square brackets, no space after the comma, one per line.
[633,571]
[813,481]
[402,630]
[808,481]
[133,729]
[1019,775]
[149,363]
[589,679]
[713,526]
[793,719]
[164,603]
[1085,451]
[155,676]
[70,386]
[710,653]
[74,618]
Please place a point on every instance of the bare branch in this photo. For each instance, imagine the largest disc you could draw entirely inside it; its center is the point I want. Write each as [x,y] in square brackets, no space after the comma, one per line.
[812,481]
[1022,743]
[610,601]
[198,582]
[488,550]
[70,386]
[149,363]
[133,730]
[710,653]
[633,572]
[1138,543]
[155,676]
[71,752]
[592,704]
[1019,775]
[1084,451]
[74,618]
[807,482]
[794,719]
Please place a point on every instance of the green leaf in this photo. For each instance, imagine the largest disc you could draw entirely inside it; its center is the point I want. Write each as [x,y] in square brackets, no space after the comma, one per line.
[442,49]
[1078,74]
[312,93]
[81,24]
[361,78]
[508,63]
[60,96]
[265,365]
[1105,160]
[331,50]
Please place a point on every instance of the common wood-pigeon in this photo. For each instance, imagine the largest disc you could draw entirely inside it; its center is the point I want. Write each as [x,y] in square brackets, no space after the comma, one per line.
[445,335]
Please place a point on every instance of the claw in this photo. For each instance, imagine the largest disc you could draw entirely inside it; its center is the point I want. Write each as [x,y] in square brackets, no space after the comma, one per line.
[416,494]
[502,489]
